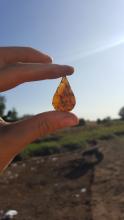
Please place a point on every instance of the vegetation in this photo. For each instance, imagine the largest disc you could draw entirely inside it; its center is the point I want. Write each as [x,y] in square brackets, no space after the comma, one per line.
[2,105]
[81,122]
[69,139]
[74,138]
[121,113]
[12,115]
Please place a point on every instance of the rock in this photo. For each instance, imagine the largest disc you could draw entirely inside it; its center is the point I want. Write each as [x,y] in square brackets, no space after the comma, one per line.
[54,158]
[83,190]
[10,214]
[77,195]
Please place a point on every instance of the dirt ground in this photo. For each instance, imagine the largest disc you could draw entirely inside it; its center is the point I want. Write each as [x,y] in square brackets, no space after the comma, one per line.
[68,186]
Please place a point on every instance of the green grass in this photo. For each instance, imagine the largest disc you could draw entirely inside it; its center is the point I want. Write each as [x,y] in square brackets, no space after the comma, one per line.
[40,149]
[75,138]
[84,134]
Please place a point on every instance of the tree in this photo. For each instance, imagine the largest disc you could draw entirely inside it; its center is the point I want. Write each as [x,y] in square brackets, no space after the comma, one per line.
[121,113]
[12,115]
[81,122]
[2,105]
[98,121]
[106,120]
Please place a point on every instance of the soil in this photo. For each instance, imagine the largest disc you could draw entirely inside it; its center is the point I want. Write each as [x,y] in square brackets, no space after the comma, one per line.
[67,186]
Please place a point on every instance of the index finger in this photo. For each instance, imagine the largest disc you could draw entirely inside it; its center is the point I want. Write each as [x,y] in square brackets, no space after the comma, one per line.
[20,73]
[12,55]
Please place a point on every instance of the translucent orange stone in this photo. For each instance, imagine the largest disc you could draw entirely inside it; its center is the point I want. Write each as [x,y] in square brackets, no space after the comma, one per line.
[64,99]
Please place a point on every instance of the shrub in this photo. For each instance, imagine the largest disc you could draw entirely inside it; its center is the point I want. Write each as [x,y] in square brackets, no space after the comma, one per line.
[121,113]
[82,122]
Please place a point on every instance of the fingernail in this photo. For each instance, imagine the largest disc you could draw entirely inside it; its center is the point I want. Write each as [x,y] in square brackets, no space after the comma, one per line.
[48,58]
[51,59]
[71,121]
[72,68]
[69,69]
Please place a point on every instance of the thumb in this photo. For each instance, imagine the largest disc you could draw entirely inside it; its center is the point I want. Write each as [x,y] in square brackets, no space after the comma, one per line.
[26,131]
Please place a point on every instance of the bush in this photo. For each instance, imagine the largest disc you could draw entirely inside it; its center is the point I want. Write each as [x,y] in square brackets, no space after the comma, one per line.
[71,146]
[81,122]
[98,121]
[40,149]
[121,113]
[44,151]
[106,137]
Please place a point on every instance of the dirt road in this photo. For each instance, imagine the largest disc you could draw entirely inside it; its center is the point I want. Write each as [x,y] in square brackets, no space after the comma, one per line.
[67,186]
[108,186]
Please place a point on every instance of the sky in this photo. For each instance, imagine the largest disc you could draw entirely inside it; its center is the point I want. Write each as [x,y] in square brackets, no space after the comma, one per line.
[87,34]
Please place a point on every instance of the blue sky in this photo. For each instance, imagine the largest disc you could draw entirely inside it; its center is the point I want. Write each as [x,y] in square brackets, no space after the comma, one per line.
[88,34]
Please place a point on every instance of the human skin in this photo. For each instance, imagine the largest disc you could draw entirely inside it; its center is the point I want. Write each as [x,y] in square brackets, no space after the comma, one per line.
[17,66]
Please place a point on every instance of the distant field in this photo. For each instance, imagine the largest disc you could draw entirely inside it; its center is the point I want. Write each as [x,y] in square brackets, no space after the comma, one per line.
[74,138]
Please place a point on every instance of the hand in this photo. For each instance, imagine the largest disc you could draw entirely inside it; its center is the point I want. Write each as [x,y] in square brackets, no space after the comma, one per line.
[19,65]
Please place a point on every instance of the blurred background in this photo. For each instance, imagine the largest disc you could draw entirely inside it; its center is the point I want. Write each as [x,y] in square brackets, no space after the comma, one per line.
[76,173]
[88,35]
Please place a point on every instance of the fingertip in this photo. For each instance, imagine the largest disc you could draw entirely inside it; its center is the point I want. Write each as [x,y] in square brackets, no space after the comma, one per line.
[67,118]
[69,69]
[72,119]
